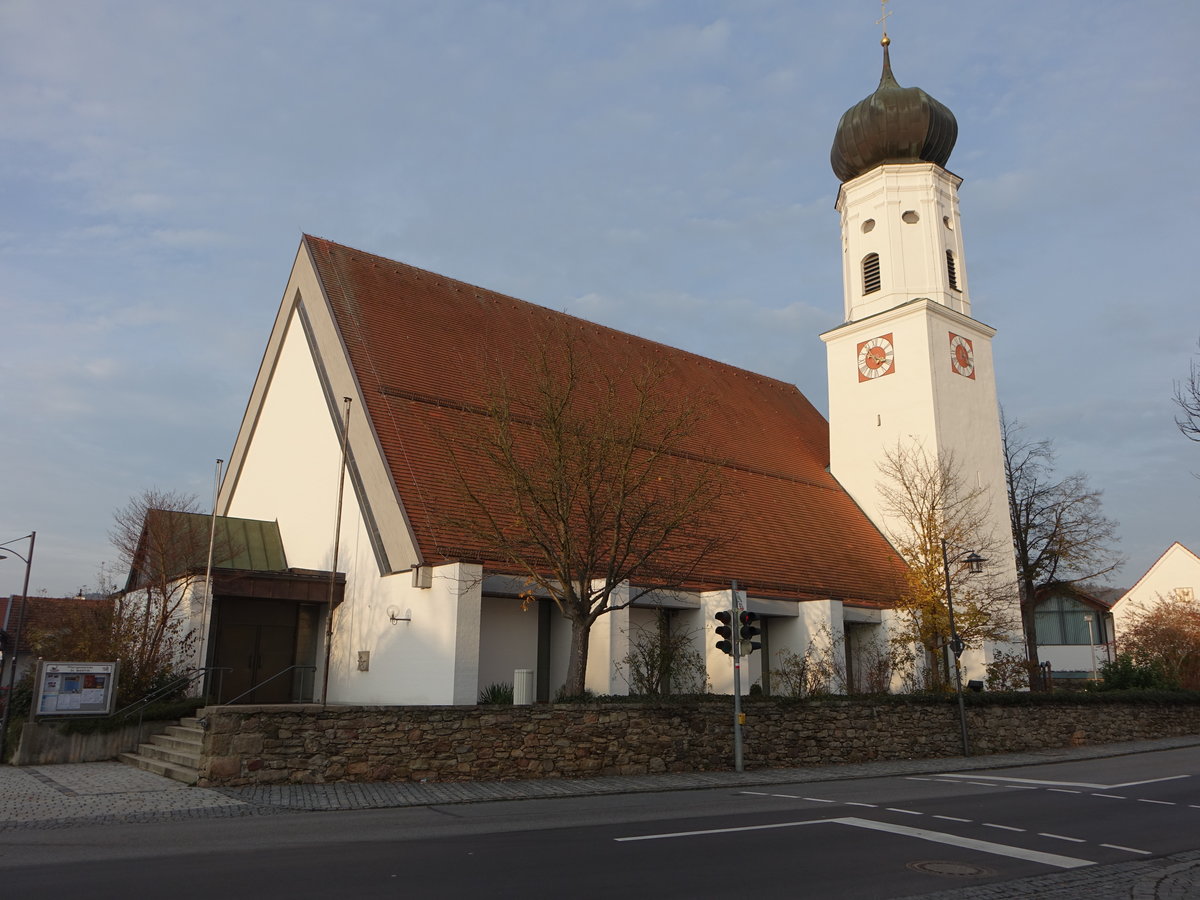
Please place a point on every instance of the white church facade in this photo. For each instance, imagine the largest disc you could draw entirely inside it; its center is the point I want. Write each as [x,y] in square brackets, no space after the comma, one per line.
[372,363]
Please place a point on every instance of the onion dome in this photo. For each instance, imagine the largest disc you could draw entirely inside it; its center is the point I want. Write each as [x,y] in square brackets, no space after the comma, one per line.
[894,125]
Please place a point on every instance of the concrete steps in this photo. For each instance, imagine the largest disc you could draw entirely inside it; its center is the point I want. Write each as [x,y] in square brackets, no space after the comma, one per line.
[174,753]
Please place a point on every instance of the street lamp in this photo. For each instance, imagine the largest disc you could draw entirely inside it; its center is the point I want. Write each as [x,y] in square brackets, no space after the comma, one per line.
[974,563]
[16,640]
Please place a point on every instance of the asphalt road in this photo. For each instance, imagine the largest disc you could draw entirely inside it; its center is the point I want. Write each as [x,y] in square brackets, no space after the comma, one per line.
[868,838]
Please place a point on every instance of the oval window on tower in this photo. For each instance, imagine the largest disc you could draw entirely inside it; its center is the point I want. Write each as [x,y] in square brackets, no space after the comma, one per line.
[868,226]
[910,216]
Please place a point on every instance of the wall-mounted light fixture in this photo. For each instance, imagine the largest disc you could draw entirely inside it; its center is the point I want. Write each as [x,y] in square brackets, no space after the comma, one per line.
[394,615]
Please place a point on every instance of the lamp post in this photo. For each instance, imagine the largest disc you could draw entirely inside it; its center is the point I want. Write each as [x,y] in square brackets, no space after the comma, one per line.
[16,641]
[1092,644]
[974,565]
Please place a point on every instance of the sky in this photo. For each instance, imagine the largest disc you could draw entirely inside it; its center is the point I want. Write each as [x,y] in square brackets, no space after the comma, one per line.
[658,167]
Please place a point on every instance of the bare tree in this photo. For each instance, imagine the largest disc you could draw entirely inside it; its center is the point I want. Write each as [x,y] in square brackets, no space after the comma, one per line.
[1060,533]
[578,481]
[1166,635]
[1187,397]
[929,501]
[162,540]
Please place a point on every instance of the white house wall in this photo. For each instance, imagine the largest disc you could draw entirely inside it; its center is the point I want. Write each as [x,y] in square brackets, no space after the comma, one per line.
[1175,573]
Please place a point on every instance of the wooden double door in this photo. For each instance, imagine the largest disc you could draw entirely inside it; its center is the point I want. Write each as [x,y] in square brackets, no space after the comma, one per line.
[263,650]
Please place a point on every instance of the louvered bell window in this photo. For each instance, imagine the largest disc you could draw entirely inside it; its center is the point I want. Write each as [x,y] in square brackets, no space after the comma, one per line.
[952,270]
[870,267]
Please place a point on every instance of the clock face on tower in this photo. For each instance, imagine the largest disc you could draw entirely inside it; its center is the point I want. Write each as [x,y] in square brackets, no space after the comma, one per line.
[876,357]
[962,355]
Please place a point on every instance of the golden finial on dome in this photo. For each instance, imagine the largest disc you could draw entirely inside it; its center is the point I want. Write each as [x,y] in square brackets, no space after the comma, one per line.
[882,22]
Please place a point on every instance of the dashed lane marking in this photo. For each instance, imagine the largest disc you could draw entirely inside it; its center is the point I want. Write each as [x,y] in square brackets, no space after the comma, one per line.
[1061,837]
[1159,802]
[907,812]
[1126,849]
[1002,827]
[1110,796]
[952,818]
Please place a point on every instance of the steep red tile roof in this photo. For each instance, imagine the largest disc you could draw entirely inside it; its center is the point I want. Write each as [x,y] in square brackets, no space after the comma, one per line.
[423,347]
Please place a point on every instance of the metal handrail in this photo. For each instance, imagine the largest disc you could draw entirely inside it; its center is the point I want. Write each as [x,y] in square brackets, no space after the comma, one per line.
[265,681]
[170,687]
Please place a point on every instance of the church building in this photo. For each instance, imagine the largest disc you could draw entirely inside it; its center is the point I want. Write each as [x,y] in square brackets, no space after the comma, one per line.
[372,364]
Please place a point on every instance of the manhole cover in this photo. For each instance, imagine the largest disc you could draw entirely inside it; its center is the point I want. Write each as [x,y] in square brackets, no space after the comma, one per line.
[949,869]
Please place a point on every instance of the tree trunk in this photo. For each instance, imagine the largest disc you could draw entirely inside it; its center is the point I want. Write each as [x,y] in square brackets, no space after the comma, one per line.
[1029,629]
[575,685]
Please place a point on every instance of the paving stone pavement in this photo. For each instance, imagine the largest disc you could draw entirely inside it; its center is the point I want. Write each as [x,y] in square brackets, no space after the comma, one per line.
[64,796]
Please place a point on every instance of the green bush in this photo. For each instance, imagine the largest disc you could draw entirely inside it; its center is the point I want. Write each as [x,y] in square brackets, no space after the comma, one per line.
[498,694]
[1128,673]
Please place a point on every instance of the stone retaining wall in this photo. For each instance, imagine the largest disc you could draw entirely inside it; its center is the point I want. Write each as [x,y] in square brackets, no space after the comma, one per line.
[311,744]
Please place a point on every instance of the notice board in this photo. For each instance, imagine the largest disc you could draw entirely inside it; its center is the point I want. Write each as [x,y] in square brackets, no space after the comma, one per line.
[75,688]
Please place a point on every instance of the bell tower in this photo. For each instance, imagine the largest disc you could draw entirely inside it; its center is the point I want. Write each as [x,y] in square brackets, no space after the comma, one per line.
[910,365]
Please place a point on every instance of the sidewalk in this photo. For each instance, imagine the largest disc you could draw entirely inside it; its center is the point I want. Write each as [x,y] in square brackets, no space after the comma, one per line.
[63,796]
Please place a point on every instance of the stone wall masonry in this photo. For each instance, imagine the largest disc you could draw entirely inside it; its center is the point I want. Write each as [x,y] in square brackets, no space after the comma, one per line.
[313,744]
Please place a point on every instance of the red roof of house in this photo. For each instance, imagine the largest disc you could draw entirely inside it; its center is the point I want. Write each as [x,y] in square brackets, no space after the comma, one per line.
[41,614]
[424,347]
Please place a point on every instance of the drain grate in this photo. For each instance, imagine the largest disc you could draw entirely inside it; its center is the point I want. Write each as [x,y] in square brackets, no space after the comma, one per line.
[949,869]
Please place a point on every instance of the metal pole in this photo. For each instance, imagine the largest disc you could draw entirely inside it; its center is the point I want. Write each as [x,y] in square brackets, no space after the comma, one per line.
[956,646]
[204,609]
[337,537]
[736,608]
[12,670]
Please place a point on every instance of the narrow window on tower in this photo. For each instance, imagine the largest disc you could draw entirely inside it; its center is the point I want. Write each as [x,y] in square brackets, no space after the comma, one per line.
[870,266]
[952,270]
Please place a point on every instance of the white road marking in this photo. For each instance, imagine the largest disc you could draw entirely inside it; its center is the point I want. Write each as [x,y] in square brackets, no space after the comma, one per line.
[1049,859]
[1061,837]
[937,837]
[1081,784]
[1126,849]
[1159,802]
[1063,791]
[679,834]
[818,800]
[1021,787]
[952,818]
[1004,827]
[784,796]
[982,784]
[856,803]
[759,794]
[918,778]
[907,812]
[1109,796]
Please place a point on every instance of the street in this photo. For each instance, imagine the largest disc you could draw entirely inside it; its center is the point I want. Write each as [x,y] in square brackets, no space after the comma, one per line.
[867,838]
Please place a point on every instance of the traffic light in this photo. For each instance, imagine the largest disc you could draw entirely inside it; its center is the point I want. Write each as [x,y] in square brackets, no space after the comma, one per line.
[749,630]
[725,631]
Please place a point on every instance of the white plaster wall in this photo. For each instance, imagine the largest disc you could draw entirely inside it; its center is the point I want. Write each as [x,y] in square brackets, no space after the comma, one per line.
[1177,568]
[608,646]
[817,623]
[290,473]
[1074,657]
[508,640]
[912,255]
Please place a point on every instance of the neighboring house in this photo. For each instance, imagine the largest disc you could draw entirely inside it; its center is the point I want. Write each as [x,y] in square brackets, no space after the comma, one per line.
[1074,630]
[430,616]
[39,618]
[1174,575]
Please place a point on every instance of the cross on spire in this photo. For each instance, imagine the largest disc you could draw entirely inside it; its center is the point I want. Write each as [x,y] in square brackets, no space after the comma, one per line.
[882,22]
